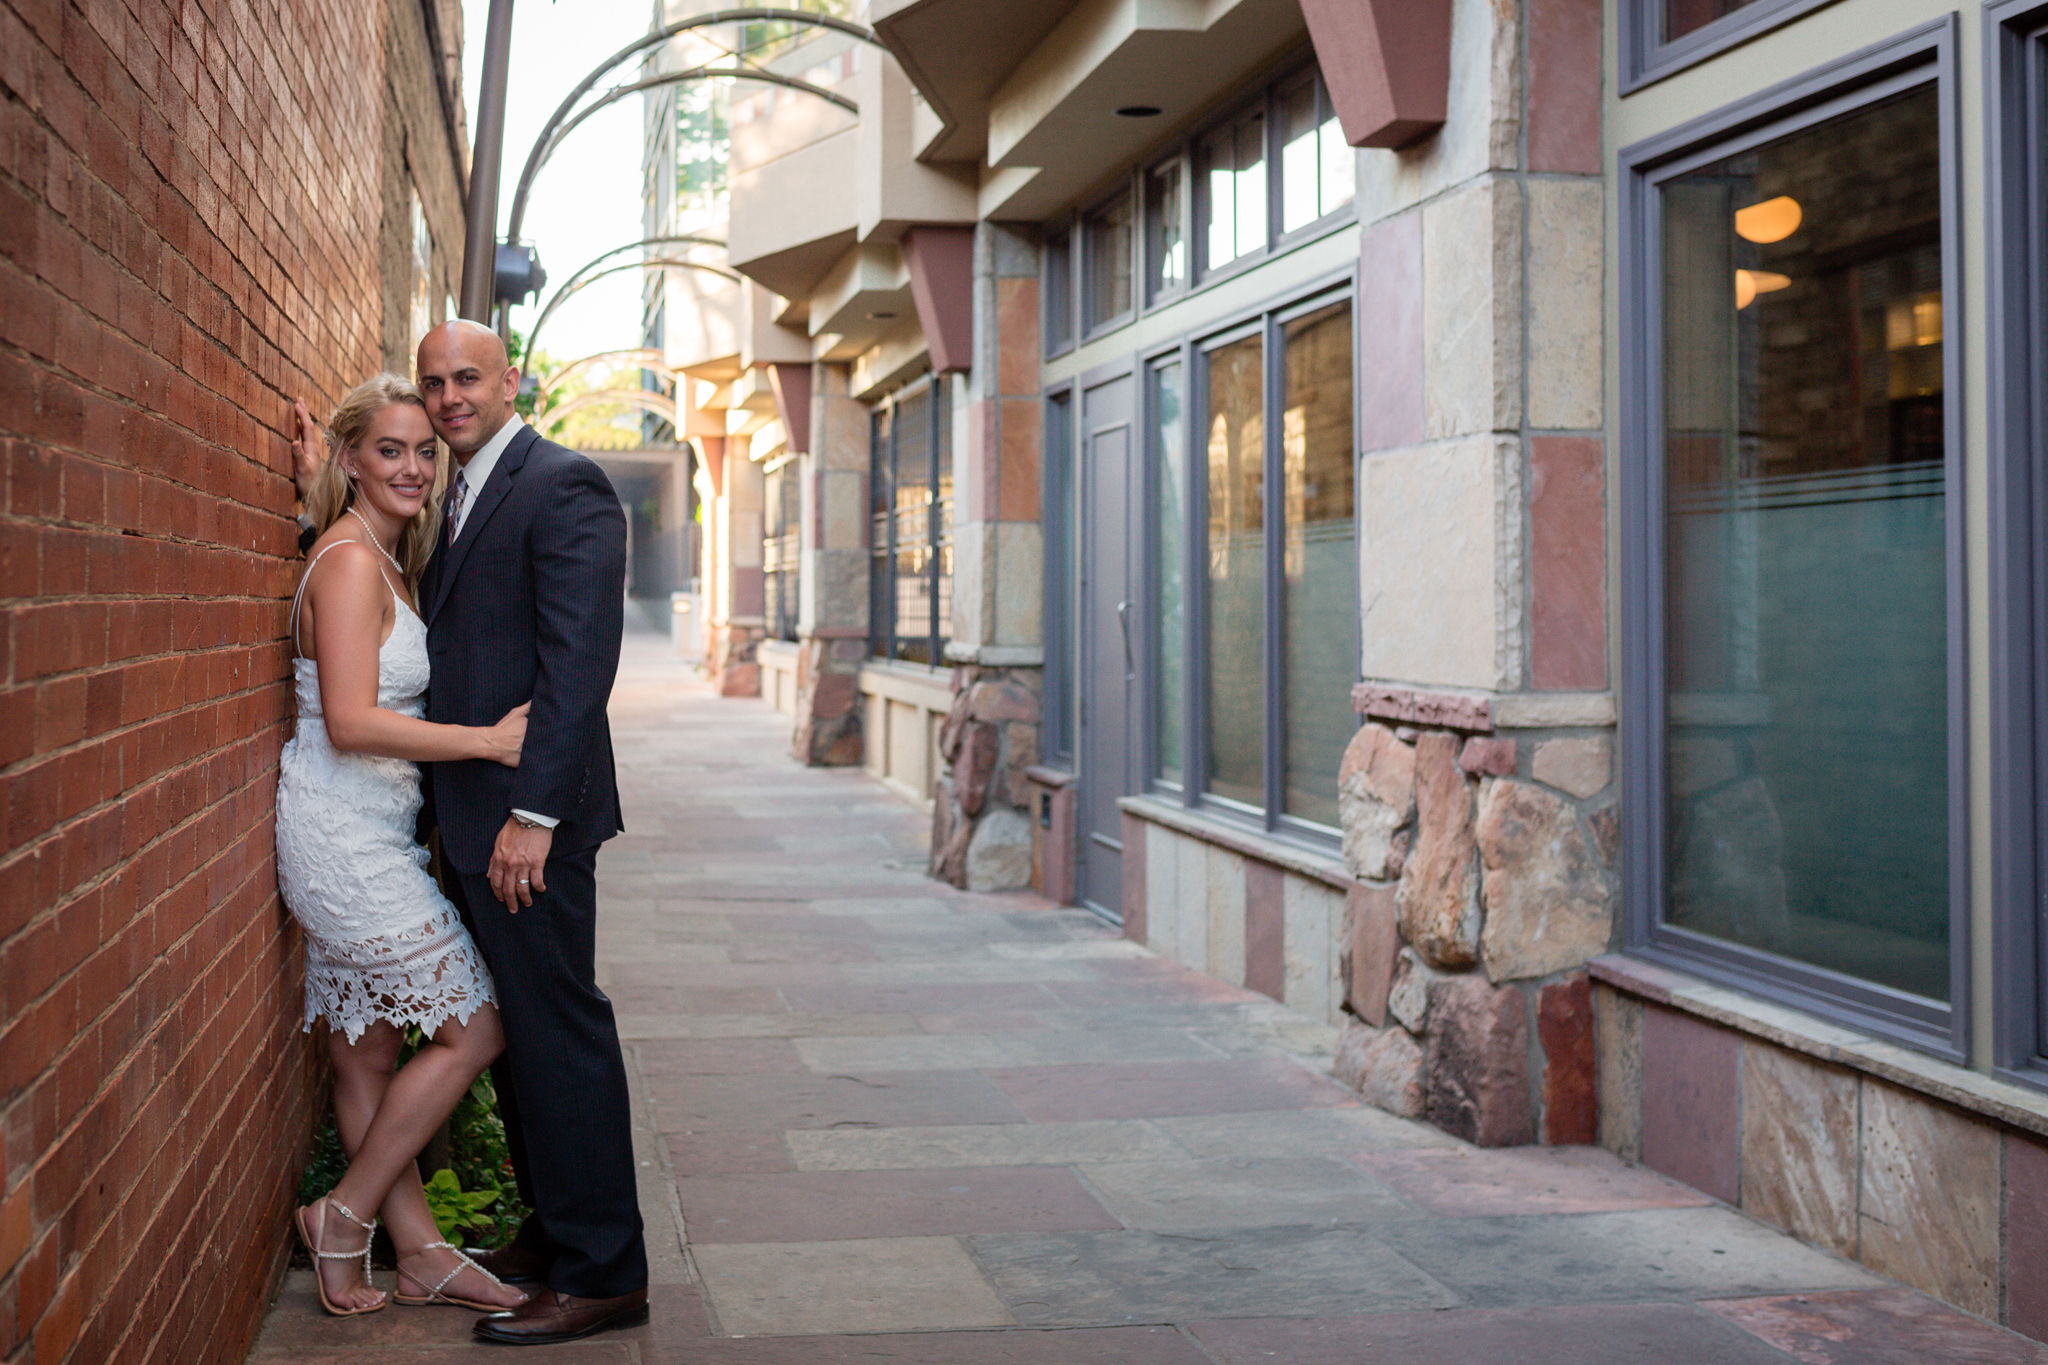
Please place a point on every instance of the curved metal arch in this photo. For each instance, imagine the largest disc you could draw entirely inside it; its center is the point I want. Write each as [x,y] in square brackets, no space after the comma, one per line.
[667,262]
[646,357]
[558,127]
[660,404]
[604,256]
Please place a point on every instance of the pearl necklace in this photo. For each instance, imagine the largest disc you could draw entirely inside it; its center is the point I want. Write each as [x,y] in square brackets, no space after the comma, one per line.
[376,542]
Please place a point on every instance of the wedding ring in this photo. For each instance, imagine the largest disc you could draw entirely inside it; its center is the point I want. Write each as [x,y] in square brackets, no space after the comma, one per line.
[523,881]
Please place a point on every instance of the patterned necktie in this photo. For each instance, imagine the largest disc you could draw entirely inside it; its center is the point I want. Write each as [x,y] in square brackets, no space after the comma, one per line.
[454,518]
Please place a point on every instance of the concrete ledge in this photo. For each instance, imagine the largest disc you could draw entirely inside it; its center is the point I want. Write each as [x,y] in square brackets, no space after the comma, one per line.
[995,656]
[912,684]
[1797,1031]
[783,652]
[1326,869]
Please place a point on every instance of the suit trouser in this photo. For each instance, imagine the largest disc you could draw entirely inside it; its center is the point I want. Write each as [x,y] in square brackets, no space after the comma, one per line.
[562,1081]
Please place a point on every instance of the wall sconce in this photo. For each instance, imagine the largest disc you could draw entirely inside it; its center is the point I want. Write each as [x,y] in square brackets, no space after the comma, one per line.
[1771,221]
[1750,283]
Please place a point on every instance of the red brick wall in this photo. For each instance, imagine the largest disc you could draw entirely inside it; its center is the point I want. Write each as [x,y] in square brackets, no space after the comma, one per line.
[190,205]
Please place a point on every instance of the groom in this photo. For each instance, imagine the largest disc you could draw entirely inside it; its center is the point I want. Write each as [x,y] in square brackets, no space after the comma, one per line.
[524,598]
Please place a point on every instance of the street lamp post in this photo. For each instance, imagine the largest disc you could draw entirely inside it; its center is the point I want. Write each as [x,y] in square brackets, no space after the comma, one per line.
[479,248]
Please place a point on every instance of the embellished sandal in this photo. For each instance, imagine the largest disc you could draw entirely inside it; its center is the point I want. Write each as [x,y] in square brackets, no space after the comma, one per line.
[312,1241]
[436,1296]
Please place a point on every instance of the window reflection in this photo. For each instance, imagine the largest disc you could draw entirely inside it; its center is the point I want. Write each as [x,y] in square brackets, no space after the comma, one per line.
[1320,587]
[1317,167]
[1169,454]
[1683,16]
[1166,256]
[1233,167]
[1106,238]
[1806,572]
[1236,692]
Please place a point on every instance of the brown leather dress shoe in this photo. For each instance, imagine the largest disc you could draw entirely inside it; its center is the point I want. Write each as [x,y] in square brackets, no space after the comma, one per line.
[553,1316]
[514,1264]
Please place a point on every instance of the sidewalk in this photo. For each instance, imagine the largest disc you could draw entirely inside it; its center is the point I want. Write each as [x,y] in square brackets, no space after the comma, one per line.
[901,1123]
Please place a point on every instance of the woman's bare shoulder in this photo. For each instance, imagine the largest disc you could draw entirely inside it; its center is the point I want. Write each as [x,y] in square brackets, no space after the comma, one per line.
[342,560]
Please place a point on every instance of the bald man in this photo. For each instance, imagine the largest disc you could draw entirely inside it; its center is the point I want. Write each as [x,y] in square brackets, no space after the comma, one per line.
[524,598]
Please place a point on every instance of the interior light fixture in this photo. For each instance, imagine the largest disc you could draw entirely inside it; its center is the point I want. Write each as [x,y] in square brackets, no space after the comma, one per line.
[1138,111]
[1771,221]
[1750,283]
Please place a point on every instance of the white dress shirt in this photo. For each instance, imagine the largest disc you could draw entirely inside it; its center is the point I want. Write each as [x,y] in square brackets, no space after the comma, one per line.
[478,471]
[474,475]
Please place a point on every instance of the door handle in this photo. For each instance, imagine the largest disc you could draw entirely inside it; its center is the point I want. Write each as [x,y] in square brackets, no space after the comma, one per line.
[1123,623]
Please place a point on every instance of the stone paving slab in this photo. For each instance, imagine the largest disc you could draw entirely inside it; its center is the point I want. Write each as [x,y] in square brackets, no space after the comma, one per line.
[827,1205]
[1242,1192]
[1616,1257]
[1603,1334]
[1106,1278]
[881,1120]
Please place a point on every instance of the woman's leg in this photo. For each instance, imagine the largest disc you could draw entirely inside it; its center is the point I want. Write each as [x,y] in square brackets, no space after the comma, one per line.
[392,1117]
[362,1072]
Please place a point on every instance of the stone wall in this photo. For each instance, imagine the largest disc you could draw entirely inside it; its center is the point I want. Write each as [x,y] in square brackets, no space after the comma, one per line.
[981,832]
[1840,1145]
[192,202]
[1485,866]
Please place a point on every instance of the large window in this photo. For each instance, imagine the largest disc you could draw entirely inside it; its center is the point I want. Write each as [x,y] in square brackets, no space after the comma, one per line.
[2016,489]
[1265,177]
[911,535]
[1256,596]
[1107,254]
[1802,555]
[781,546]
[1241,208]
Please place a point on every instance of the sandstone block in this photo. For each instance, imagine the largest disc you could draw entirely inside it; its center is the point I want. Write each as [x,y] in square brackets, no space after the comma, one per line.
[1376,802]
[1579,766]
[1799,1129]
[1002,701]
[1564,1026]
[999,851]
[1565,282]
[1928,1204]
[1441,530]
[1408,997]
[950,727]
[1478,1062]
[1491,756]
[950,833]
[1606,826]
[1375,948]
[1618,1052]
[974,762]
[1547,906]
[1439,891]
[1383,1065]
[1020,751]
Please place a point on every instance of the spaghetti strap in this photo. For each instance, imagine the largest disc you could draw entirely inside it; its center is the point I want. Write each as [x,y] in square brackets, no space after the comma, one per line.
[297,651]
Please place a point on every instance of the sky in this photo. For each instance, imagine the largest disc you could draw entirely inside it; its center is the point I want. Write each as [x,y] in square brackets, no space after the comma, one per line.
[587,198]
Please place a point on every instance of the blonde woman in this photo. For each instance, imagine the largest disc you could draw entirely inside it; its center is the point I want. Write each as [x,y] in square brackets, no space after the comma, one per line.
[384,949]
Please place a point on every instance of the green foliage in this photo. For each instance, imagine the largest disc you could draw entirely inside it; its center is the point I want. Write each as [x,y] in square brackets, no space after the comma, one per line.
[456,1209]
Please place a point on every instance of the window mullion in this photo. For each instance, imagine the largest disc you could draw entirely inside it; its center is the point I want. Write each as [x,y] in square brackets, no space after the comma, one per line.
[1273,489]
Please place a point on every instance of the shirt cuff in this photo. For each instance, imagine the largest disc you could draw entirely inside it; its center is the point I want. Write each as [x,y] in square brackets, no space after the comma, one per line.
[544,821]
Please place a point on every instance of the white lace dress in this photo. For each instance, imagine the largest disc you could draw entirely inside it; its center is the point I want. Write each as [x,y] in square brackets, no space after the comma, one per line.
[382,942]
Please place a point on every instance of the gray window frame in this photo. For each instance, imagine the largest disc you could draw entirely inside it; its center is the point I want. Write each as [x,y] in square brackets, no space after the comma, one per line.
[884,639]
[1089,264]
[1059,489]
[1646,60]
[1059,301]
[1267,320]
[1917,57]
[2016,487]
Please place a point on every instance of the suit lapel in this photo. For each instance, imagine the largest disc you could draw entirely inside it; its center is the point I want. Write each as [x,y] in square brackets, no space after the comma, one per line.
[487,499]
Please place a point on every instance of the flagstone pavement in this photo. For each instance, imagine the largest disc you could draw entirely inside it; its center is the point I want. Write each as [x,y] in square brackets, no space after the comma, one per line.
[882,1120]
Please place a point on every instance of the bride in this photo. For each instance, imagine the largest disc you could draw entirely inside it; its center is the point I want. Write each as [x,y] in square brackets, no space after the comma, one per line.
[383,948]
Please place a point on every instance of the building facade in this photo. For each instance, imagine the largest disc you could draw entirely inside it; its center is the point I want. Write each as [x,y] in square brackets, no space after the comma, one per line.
[202,217]
[1452,518]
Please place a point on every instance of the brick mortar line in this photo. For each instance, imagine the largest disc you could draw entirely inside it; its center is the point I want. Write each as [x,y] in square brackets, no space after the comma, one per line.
[22,765]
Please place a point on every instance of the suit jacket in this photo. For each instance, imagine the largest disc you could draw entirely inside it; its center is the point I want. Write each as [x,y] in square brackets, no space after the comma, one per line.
[528,604]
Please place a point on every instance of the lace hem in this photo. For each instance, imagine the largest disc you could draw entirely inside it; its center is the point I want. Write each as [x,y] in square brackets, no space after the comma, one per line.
[351,998]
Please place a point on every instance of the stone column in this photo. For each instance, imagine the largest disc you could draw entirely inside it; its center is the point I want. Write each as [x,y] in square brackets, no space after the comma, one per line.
[832,626]
[981,832]
[733,585]
[1477,798]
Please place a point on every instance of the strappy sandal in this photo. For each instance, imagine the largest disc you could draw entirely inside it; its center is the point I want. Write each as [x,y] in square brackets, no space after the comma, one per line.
[435,1297]
[312,1244]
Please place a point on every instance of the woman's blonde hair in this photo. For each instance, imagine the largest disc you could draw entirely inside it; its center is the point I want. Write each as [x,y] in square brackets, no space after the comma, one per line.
[333,492]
